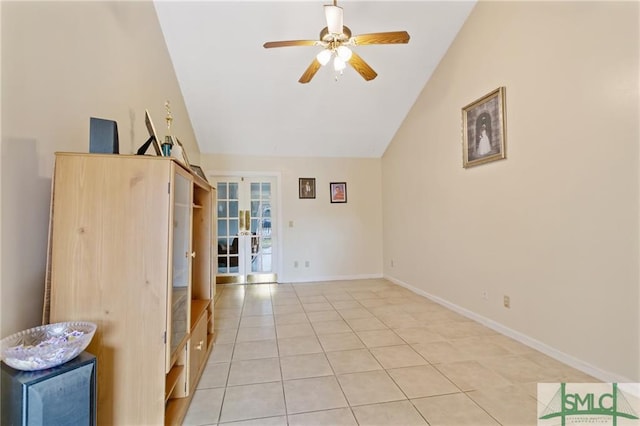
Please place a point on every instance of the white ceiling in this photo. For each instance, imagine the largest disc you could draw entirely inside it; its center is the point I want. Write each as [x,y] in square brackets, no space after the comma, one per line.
[244,99]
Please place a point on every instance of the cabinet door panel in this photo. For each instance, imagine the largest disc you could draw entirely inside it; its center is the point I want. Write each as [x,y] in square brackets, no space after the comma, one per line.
[178,324]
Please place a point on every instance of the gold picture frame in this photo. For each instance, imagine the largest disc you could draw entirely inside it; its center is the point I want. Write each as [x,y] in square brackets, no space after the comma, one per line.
[484,129]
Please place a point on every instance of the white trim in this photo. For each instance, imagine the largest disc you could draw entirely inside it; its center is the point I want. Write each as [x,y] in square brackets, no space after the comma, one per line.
[280,228]
[310,279]
[630,388]
[235,173]
[585,367]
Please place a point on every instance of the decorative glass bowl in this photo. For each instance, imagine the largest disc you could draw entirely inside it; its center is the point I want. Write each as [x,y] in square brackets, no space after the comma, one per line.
[46,346]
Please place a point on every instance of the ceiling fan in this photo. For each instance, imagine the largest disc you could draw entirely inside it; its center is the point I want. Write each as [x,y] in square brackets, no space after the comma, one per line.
[336,40]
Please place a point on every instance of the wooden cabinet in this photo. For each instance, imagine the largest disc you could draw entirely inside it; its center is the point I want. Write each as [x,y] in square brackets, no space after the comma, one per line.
[132,250]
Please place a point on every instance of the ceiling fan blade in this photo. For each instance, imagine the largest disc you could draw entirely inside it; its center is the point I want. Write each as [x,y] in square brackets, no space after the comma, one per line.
[392,37]
[287,43]
[362,67]
[310,71]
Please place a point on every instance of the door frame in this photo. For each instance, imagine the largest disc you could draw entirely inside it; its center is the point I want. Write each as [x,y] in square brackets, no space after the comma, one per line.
[216,174]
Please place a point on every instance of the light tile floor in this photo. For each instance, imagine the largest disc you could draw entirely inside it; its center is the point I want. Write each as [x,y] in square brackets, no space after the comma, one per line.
[364,352]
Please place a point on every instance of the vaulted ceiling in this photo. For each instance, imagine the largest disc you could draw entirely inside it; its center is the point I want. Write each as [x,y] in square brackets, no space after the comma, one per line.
[244,99]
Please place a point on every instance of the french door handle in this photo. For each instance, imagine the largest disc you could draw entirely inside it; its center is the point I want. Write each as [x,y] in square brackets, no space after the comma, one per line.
[244,217]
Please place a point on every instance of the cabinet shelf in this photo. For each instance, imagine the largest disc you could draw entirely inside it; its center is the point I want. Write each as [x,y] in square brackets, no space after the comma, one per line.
[179,349]
[175,410]
[197,308]
[172,380]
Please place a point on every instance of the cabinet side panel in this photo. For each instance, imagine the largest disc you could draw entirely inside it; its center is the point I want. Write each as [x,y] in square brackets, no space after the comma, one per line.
[109,266]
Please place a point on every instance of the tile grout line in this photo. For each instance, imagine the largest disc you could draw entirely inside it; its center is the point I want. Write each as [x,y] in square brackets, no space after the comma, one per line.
[275,328]
[226,385]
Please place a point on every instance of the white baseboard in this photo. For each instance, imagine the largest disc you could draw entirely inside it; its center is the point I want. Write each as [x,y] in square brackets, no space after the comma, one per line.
[585,367]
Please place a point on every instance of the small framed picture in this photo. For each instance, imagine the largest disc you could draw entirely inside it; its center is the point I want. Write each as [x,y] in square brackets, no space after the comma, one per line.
[307,188]
[338,192]
[153,136]
[483,129]
[179,152]
[199,172]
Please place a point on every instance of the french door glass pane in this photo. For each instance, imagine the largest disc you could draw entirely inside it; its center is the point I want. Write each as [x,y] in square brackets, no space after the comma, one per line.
[233,227]
[255,190]
[233,209]
[222,227]
[222,191]
[233,191]
[222,209]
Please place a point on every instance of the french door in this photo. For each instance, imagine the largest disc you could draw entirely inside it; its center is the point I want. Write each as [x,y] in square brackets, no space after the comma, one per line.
[246,249]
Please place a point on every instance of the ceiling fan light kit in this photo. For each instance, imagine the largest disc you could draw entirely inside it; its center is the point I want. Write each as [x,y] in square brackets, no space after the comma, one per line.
[344,53]
[324,57]
[336,38]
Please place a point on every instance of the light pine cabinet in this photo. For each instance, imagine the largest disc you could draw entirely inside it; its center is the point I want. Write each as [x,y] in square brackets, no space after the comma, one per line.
[131,249]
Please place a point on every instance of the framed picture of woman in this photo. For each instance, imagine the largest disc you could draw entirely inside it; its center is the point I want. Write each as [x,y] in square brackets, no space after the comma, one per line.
[483,129]
[338,191]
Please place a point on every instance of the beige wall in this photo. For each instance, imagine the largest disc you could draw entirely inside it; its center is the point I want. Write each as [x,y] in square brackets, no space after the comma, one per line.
[340,241]
[63,62]
[554,226]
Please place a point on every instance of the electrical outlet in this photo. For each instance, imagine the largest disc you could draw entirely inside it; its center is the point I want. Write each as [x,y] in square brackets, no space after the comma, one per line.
[295,263]
[306,263]
[485,295]
[507,301]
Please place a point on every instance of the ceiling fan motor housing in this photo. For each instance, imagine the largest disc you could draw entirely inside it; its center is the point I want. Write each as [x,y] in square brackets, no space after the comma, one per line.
[325,35]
